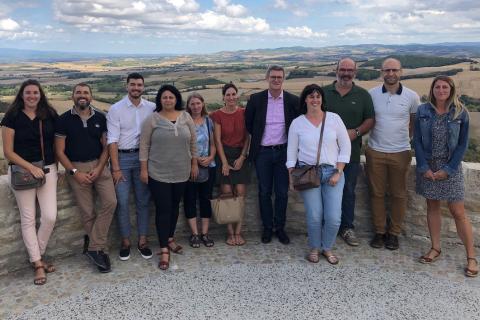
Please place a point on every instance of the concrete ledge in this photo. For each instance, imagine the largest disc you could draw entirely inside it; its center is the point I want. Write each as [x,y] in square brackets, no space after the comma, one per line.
[67,235]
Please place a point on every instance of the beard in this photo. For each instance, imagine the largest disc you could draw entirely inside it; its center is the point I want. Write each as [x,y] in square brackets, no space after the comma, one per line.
[391,80]
[136,94]
[82,106]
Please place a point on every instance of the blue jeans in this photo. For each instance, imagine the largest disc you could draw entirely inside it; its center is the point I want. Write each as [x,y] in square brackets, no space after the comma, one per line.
[323,211]
[130,166]
[348,200]
[272,173]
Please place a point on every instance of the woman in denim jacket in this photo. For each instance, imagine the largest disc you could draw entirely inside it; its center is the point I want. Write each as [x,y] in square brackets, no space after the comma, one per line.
[440,141]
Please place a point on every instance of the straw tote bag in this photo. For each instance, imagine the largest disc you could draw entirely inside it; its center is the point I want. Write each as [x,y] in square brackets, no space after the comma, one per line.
[228,207]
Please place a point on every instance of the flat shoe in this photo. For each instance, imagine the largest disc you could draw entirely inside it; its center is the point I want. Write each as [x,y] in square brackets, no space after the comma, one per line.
[39,281]
[206,240]
[174,247]
[231,240]
[425,259]
[239,240]
[313,256]
[49,268]
[469,272]
[332,259]
[194,241]
[164,265]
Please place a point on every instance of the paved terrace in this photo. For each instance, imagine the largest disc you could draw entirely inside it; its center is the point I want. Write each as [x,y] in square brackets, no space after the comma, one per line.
[256,281]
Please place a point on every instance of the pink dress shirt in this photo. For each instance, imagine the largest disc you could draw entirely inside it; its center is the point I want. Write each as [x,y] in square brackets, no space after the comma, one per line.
[275,122]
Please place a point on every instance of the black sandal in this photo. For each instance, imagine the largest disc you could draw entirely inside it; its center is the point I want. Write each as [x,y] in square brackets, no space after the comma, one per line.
[207,241]
[194,241]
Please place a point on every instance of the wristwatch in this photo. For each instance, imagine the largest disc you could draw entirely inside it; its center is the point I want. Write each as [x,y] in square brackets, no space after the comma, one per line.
[72,171]
[336,170]
[357,132]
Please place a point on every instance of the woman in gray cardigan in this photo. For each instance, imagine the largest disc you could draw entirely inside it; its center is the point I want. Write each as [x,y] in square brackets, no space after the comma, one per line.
[168,153]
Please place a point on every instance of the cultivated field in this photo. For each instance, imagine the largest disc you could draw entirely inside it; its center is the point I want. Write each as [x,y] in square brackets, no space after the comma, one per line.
[58,78]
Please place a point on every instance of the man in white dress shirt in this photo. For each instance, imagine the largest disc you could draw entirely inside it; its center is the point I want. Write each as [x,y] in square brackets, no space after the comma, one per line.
[388,154]
[124,123]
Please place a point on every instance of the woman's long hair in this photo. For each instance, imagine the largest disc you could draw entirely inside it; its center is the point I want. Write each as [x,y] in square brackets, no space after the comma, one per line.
[452,101]
[44,109]
[199,97]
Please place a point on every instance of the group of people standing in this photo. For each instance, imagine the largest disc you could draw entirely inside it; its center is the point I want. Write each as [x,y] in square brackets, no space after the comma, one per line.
[168,153]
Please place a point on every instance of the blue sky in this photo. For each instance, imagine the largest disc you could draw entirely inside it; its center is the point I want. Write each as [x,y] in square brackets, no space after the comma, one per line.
[197,26]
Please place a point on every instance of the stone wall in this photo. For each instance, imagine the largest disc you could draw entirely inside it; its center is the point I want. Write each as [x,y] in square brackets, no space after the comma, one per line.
[67,235]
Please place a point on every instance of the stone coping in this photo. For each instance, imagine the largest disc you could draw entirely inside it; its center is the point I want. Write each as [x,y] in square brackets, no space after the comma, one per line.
[67,237]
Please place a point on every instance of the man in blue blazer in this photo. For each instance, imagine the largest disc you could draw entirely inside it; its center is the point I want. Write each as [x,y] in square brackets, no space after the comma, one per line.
[268,116]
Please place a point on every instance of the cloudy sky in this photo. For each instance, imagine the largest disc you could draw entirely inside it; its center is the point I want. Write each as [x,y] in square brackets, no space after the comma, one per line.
[202,26]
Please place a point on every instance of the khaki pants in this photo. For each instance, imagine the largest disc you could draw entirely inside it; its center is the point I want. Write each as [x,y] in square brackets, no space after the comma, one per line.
[388,170]
[95,222]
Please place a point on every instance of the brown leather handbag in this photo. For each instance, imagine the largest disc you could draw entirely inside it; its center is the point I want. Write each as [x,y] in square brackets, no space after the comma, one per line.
[22,179]
[308,176]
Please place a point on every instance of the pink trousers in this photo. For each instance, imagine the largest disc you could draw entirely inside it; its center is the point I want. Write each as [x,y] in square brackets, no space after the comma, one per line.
[36,241]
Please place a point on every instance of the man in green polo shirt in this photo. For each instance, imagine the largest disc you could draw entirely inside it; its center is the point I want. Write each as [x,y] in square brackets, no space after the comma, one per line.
[354,105]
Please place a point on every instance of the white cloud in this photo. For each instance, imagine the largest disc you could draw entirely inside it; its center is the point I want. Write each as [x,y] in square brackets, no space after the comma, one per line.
[388,21]
[8,25]
[280,4]
[30,35]
[299,32]
[300,12]
[298,9]
[229,9]
[183,5]
[171,17]
[11,30]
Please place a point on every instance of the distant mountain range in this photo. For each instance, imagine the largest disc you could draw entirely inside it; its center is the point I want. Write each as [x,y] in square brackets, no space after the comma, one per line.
[293,54]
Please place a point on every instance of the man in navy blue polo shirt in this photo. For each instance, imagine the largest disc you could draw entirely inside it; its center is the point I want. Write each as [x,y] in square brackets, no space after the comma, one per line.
[81,147]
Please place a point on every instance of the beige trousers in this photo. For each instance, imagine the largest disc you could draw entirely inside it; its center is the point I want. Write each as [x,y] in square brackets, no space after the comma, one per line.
[388,172]
[95,222]
[36,240]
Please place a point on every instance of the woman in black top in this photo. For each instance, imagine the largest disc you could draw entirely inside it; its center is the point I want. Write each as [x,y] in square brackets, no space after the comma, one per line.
[21,125]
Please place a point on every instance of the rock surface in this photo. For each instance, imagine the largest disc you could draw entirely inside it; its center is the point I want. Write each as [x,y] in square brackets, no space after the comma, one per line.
[67,236]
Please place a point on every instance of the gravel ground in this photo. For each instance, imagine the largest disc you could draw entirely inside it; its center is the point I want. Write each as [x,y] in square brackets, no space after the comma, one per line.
[293,291]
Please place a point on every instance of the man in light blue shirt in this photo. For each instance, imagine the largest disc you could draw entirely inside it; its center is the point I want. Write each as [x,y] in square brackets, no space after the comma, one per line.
[124,123]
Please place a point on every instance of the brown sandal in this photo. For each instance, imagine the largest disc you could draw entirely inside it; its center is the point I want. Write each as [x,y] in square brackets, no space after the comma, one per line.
[174,247]
[425,259]
[469,272]
[331,258]
[239,240]
[39,281]
[49,268]
[231,240]
[164,265]
[313,256]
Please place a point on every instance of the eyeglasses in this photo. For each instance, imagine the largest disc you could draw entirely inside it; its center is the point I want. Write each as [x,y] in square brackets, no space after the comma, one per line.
[390,70]
[346,70]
